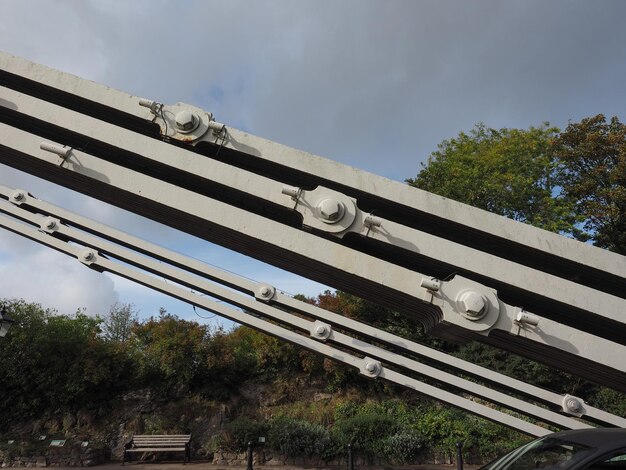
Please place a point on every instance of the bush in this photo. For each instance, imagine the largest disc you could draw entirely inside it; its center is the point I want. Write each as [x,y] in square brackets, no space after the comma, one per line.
[365,432]
[294,437]
[242,430]
[402,447]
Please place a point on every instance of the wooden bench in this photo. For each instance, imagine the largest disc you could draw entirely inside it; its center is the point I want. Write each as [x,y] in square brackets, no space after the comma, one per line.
[159,443]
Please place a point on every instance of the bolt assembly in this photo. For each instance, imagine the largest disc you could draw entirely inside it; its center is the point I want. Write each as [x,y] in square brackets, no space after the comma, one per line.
[473,305]
[371,367]
[49,224]
[573,405]
[527,318]
[321,330]
[186,121]
[431,284]
[88,256]
[330,210]
[18,196]
[265,292]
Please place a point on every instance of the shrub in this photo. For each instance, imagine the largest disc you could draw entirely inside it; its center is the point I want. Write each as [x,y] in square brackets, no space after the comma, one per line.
[294,437]
[365,432]
[402,447]
[242,430]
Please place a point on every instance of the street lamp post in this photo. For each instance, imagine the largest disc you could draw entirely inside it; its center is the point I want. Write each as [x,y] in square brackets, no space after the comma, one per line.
[5,321]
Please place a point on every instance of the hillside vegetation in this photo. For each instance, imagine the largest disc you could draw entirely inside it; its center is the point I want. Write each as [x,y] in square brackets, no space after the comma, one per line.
[102,379]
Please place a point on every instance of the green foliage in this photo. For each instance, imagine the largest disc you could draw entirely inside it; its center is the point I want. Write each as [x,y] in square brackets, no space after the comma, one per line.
[384,318]
[295,437]
[53,361]
[230,359]
[609,400]
[241,431]
[365,431]
[65,362]
[511,172]
[118,323]
[403,447]
[592,154]
[171,351]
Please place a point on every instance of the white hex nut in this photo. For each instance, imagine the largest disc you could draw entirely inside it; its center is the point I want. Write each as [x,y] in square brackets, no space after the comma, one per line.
[320,330]
[472,303]
[330,209]
[371,367]
[18,196]
[573,405]
[265,292]
[186,120]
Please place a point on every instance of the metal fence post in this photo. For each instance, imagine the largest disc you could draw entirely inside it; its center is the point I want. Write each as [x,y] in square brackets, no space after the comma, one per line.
[249,464]
[350,458]
[459,456]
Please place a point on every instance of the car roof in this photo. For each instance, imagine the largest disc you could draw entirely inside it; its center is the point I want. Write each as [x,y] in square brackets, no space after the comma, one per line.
[601,438]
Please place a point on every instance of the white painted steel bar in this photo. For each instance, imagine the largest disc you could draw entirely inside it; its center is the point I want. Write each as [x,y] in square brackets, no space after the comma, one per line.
[160,285]
[161,152]
[466,367]
[250,287]
[238,220]
[447,209]
[72,84]
[119,239]
[508,272]
[550,333]
[113,249]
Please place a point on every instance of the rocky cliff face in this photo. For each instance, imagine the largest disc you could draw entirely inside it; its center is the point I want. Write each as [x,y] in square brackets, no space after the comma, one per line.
[137,412]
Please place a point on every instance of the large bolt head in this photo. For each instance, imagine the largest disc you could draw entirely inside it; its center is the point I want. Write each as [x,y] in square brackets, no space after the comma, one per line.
[18,196]
[573,405]
[186,120]
[473,304]
[330,209]
[320,330]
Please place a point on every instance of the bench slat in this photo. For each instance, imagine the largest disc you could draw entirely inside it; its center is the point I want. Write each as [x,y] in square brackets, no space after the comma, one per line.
[140,442]
[168,444]
[157,449]
[159,443]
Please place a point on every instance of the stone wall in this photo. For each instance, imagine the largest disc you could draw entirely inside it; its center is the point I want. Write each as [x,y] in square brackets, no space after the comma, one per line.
[271,459]
[70,456]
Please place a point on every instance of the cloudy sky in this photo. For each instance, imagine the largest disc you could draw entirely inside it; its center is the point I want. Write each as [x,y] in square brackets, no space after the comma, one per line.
[373,84]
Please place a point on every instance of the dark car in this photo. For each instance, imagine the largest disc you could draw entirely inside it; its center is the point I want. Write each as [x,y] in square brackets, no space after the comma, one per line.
[593,449]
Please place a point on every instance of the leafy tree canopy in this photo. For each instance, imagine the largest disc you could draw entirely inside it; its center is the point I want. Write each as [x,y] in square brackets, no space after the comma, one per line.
[592,154]
[511,172]
[118,323]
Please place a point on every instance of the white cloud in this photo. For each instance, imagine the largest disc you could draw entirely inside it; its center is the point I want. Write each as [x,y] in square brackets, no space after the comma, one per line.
[52,279]
[374,86]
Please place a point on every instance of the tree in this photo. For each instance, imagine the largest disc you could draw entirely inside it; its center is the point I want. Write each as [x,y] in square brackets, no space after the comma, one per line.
[53,362]
[514,173]
[171,352]
[592,154]
[511,172]
[117,325]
